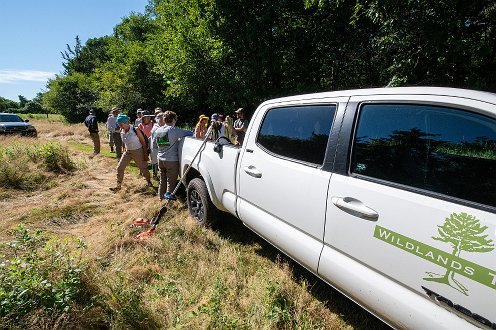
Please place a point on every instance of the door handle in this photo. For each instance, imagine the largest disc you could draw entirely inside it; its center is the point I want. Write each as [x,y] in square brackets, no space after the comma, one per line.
[252,171]
[355,207]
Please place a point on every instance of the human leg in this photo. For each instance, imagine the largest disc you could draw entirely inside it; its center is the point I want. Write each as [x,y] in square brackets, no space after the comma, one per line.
[124,161]
[96,142]
[118,145]
[139,159]
[162,186]
[172,173]
[111,141]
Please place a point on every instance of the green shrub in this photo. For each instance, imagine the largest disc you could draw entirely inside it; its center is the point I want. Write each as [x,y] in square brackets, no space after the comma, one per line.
[55,158]
[38,271]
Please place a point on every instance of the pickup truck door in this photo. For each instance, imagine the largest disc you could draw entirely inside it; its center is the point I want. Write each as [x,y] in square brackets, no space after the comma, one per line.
[412,209]
[282,188]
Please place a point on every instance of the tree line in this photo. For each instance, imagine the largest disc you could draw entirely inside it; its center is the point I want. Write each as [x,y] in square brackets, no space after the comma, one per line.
[205,56]
[24,105]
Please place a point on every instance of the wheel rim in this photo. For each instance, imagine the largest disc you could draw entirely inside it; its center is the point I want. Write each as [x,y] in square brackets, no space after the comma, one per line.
[196,205]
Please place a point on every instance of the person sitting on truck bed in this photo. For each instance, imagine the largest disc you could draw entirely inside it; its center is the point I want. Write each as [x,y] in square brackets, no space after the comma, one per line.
[166,139]
[214,122]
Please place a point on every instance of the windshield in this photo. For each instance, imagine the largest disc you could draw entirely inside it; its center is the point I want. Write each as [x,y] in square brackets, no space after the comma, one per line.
[10,119]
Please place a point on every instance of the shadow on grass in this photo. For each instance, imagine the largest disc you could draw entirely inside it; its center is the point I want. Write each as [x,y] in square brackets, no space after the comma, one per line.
[230,228]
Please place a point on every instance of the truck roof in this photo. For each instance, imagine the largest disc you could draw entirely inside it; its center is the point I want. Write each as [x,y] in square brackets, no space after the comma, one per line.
[486,97]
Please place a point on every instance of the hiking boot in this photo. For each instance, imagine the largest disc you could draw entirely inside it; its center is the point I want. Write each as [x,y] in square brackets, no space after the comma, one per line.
[116,188]
[169,197]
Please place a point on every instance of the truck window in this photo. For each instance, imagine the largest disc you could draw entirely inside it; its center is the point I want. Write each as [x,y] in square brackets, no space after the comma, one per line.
[439,149]
[299,133]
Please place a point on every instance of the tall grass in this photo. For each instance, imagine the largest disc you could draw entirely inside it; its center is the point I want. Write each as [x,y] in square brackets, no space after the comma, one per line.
[28,166]
[191,277]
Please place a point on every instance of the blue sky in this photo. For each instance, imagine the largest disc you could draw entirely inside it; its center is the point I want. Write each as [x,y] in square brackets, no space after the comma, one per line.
[34,32]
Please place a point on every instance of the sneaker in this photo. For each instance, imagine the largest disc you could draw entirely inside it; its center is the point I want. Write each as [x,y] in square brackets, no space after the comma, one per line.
[169,197]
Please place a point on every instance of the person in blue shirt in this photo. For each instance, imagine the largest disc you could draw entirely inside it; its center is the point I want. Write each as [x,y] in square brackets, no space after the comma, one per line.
[166,140]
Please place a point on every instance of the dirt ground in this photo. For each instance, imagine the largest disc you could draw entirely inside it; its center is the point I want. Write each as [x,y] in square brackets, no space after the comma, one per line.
[80,203]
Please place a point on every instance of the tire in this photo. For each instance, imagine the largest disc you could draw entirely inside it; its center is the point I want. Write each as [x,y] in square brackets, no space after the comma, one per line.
[200,206]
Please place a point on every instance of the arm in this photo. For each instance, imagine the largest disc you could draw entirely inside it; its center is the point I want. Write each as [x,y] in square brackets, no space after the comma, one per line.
[143,143]
[197,131]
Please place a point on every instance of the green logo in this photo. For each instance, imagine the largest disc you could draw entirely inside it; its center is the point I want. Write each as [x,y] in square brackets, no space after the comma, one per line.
[465,233]
[163,141]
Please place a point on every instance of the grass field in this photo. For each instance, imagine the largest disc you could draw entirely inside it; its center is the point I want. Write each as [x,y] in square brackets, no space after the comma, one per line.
[74,262]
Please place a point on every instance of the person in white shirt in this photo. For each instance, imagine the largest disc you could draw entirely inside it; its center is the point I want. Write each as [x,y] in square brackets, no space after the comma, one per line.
[136,149]
[139,117]
[114,133]
[160,121]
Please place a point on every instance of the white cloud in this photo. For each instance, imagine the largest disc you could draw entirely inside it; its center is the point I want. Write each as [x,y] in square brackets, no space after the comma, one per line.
[10,76]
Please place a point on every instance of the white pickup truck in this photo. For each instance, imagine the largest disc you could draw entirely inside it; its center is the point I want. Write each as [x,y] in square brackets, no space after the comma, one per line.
[388,195]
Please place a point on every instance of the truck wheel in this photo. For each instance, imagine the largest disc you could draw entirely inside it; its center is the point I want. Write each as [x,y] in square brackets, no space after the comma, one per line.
[199,204]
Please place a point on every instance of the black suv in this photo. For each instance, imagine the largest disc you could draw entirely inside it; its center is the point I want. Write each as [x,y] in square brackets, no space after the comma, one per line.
[13,124]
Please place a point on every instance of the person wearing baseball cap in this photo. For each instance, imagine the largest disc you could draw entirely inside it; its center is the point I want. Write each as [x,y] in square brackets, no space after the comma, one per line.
[139,117]
[240,126]
[159,122]
[114,132]
[92,124]
[136,149]
[157,111]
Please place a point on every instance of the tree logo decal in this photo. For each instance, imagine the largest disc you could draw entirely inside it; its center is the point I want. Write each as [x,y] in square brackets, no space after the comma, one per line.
[465,233]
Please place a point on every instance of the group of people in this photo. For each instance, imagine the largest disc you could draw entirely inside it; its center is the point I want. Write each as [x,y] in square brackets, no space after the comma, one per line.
[233,131]
[156,136]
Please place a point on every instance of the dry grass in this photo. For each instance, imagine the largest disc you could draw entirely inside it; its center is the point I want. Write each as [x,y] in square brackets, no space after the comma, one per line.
[184,277]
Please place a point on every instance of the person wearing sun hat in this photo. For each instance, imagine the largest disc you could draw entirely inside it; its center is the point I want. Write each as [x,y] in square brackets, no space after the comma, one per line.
[201,127]
[146,124]
[135,145]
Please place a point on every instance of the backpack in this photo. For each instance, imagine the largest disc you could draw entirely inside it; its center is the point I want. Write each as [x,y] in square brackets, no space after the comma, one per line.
[144,138]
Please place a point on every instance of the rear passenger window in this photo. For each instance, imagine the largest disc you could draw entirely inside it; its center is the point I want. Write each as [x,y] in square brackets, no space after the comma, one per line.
[444,150]
[300,133]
